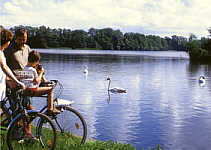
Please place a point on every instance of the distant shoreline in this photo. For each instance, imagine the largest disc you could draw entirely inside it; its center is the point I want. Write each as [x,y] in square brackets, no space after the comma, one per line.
[163,54]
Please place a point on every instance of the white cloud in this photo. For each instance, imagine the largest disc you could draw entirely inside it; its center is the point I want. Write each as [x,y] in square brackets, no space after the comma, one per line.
[162,16]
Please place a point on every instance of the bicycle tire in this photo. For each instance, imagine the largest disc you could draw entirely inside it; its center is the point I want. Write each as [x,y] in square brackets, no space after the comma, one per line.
[5,117]
[71,124]
[43,133]
[4,120]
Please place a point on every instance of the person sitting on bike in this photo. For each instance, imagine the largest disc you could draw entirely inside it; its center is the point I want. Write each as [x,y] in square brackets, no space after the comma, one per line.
[31,76]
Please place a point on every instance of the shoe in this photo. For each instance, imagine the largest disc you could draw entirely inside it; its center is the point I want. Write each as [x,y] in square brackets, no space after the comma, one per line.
[30,107]
[54,111]
[28,139]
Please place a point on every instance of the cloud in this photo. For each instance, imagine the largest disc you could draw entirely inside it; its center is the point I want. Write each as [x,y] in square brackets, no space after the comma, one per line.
[158,16]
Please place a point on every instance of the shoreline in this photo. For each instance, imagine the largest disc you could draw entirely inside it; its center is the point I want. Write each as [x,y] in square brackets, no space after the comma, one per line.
[170,54]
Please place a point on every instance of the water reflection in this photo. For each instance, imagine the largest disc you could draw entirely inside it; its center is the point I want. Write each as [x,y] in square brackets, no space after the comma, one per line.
[164,103]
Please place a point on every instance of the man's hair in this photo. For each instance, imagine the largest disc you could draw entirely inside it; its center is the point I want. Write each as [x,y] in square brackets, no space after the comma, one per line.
[6,35]
[34,56]
[20,32]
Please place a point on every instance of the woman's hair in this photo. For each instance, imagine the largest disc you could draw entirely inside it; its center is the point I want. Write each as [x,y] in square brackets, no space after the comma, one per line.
[6,35]
[34,56]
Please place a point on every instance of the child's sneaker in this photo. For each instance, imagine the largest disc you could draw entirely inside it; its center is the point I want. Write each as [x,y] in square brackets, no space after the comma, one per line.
[55,111]
[30,107]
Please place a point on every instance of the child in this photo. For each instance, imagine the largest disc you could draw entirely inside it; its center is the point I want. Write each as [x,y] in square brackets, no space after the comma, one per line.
[31,76]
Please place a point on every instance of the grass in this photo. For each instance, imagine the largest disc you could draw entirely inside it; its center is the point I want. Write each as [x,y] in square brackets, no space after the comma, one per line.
[68,142]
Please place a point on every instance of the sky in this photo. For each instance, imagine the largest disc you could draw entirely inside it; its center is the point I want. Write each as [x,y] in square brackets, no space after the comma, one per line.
[149,17]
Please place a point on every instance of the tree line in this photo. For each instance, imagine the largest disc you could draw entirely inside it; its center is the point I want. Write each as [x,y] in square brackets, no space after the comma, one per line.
[106,39]
[200,50]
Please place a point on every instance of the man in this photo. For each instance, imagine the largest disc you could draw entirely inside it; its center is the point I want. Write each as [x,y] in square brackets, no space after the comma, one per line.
[17,53]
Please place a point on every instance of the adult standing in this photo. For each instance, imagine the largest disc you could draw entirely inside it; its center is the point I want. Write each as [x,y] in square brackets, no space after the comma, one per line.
[5,36]
[17,53]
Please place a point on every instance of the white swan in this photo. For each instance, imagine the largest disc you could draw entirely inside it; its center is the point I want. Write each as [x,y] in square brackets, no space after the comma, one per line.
[201,79]
[115,89]
[86,70]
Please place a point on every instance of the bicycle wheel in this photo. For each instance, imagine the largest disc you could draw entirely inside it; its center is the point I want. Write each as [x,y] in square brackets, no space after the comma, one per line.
[5,117]
[71,125]
[34,131]
[4,120]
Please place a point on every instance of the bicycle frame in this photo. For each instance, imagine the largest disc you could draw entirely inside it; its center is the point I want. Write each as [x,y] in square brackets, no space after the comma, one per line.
[18,115]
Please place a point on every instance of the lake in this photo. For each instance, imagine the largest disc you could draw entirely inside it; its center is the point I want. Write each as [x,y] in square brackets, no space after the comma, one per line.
[164,103]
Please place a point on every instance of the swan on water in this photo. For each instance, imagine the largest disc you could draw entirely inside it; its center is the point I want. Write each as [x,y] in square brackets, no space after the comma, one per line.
[86,70]
[202,79]
[115,89]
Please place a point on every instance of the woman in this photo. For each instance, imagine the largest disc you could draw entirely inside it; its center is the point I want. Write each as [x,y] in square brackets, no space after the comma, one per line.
[5,37]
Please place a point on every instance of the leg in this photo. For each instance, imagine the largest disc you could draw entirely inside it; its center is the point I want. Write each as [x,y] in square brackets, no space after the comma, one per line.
[47,90]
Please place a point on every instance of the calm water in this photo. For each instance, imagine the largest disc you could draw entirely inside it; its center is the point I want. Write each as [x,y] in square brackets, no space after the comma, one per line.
[164,103]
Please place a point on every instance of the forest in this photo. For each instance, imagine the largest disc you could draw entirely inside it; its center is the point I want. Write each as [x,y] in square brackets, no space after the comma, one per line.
[110,39]
[100,39]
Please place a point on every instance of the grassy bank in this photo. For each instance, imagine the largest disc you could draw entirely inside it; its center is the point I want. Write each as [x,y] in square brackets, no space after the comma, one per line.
[69,142]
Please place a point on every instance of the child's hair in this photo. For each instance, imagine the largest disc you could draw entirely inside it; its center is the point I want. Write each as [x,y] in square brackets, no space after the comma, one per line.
[6,35]
[34,56]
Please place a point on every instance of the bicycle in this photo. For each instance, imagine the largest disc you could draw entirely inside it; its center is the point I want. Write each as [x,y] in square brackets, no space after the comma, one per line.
[69,122]
[26,128]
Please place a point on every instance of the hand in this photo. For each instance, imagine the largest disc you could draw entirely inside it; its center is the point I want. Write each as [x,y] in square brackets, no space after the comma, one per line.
[40,71]
[22,85]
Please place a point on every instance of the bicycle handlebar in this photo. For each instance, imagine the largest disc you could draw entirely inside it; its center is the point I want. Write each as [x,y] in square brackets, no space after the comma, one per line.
[56,81]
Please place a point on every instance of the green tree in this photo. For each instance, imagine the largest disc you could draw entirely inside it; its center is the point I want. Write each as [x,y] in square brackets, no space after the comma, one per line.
[195,50]
[104,38]
[52,36]
[79,39]
[117,39]
[130,41]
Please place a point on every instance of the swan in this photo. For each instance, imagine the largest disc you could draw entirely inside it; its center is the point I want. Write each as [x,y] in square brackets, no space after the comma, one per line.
[202,79]
[86,70]
[115,89]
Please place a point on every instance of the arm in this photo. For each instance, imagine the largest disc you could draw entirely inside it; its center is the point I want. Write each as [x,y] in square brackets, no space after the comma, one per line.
[8,72]
[44,78]
[39,75]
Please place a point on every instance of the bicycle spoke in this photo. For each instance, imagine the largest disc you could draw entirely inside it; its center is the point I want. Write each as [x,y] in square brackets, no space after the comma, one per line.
[71,125]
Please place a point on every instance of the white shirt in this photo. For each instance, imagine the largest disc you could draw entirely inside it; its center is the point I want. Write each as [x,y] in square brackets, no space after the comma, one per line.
[2,78]
[27,76]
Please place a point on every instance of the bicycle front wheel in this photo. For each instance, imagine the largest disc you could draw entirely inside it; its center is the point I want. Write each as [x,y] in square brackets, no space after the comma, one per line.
[4,119]
[33,131]
[71,125]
